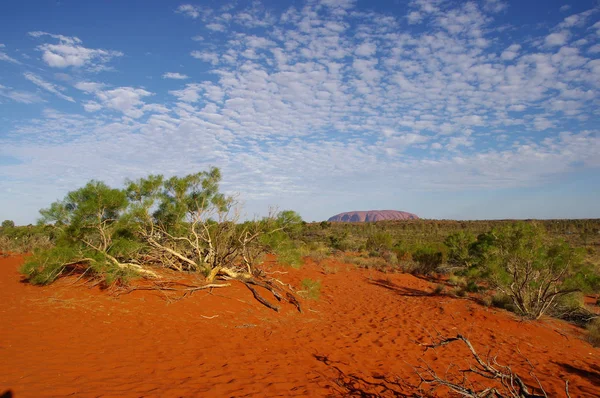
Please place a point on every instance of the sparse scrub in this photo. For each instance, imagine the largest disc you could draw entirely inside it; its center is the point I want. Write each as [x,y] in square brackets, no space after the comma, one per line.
[379,242]
[500,300]
[456,280]
[439,289]
[25,239]
[428,259]
[459,291]
[458,248]
[311,289]
[593,330]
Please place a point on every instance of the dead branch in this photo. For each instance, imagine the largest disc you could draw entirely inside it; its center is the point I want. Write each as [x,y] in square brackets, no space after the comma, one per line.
[510,385]
[261,299]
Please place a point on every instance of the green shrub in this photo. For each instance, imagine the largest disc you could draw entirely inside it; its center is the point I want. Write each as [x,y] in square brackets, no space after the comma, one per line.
[379,241]
[339,242]
[503,301]
[377,263]
[8,224]
[532,272]
[439,289]
[593,329]
[289,253]
[456,280]
[311,289]
[390,257]
[458,248]
[44,266]
[428,259]
[472,286]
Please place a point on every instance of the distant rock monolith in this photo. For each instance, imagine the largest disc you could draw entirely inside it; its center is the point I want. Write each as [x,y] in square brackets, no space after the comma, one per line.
[373,215]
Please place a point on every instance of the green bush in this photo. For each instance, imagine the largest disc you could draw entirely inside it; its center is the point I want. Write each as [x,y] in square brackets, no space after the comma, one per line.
[8,224]
[311,289]
[379,241]
[522,264]
[428,259]
[44,266]
[458,248]
[503,301]
[593,329]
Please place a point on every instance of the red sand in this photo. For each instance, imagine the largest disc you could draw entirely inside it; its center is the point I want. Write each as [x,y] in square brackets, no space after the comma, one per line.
[66,340]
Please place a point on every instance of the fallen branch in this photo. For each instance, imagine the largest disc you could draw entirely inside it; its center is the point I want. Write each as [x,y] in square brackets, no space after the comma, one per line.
[510,384]
[261,299]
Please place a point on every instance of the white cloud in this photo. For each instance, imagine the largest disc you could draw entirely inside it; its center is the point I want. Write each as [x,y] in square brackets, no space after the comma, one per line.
[542,123]
[494,6]
[175,75]
[70,53]
[92,106]
[6,58]
[191,93]
[206,56]
[511,52]
[216,27]
[557,38]
[127,100]
[89,87]
[23,97]
[595,49]
[414,17]
[366,49]
[189,10]
[52,88]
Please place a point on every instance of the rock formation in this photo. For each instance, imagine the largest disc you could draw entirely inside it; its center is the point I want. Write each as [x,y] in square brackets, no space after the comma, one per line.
[373,215]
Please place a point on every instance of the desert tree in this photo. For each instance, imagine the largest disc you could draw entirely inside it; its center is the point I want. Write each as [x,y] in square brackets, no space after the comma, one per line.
[8,224]
[191,226]
[90,230]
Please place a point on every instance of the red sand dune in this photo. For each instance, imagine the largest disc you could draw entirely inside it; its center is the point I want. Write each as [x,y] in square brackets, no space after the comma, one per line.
[65,340]
[372,216]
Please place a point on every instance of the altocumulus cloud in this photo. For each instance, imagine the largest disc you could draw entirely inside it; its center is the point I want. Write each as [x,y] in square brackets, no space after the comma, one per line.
[316,101]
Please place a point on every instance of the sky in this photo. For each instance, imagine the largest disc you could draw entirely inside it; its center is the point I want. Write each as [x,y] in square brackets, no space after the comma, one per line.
[447,109]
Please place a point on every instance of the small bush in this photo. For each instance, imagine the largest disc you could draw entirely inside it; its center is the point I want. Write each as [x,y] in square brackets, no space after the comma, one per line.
[428,259]
[379,242]
[311,289]
[472,286]
[458,248]
[439,289]
[377,263]
[8,224]
[503,301]
[456,280]
[390,257]
[593,329]
[289,254]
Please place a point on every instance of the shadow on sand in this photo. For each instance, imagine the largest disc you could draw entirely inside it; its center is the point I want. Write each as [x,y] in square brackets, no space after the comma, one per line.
[352,385]
[592,375]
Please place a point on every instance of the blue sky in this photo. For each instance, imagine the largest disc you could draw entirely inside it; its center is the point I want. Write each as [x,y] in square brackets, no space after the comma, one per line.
[447,109]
